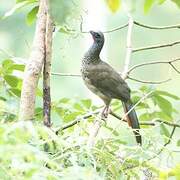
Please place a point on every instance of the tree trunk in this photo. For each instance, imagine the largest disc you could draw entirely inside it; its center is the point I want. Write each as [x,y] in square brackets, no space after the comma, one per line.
[47,73]
[34,66]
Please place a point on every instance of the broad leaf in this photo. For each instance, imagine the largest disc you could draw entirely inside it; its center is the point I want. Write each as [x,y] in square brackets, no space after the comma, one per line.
[15,8]
[147,5]
[164,105]
[178,142]
[177,2]
[11,80]
[164,130]
[15,91]
[161,1]
[165,93]
[87,103]
[113,4]
[31,16]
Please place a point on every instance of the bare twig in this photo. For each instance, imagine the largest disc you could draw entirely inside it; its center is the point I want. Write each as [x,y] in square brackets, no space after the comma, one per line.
[116,29]
[76,121]
[66,74]
[149,123]
[47,72]
[157,27]
[156,46]
[149,82]
[128,47]
[107,31]
[155,62]
[128,77]
[168,142]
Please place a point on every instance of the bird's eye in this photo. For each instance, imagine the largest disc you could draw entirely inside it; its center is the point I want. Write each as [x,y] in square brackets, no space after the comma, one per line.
[97,35]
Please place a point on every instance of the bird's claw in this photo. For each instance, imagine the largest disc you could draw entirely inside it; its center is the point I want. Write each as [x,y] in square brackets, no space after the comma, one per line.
[105,112]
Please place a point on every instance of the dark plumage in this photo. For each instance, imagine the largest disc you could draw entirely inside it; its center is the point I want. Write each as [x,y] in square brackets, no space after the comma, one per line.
[105,82]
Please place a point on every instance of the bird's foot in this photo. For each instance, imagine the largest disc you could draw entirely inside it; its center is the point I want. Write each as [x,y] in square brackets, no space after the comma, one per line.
[105,112]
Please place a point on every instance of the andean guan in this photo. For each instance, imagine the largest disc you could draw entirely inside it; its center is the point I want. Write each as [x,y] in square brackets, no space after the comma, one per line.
[106,83]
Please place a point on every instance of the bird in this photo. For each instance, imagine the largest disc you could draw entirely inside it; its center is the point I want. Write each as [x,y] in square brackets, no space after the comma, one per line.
[107,83]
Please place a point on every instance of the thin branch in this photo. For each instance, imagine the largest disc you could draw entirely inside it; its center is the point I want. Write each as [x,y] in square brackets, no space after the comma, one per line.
[116,29]
[107,31]
[66,74]
[168,142]
[76,121]
[156,46]
[128,77]
[172,65]
[150,123]
[154,62]
[157,27]
[149,82]
[47,71]
[129,47]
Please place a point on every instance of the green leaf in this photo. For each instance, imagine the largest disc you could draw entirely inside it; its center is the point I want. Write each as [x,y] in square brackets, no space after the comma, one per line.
[6,63]
[11,80]
[177,2]
[164,130]
[164,105]
[15,91]
[64,100]
[178,142]
[165,93]
[3,98]
[78,107]
[19,67]
[65,30]
[15,8]
[31,16]
[147,5]
[87,103]
[145,117]
[71,116]
[161,1]
[113,5]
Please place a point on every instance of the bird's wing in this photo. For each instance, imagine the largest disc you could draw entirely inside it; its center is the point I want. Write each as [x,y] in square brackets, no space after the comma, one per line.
[108,81]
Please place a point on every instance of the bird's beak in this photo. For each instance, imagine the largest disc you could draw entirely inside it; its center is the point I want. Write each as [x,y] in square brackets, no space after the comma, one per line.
[92,33]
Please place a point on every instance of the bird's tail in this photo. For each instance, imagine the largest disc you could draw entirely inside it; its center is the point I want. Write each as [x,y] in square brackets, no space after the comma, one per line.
[132,120]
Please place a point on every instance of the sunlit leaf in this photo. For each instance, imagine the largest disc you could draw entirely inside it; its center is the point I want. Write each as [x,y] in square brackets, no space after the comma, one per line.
[11,80]
[15,91]
[64,100]
[164,105]
[19,67]
[161,1]
[15,8]
[165,93]
[147,5]
[31,16]
[164,130]
[113,4]
[178,143]
[87,103]
[177,2]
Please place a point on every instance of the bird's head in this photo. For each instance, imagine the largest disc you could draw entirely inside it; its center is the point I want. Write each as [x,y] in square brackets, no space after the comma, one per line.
[98,37]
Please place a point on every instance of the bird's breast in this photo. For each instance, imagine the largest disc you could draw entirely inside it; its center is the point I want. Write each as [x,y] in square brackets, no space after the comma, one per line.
[93,88]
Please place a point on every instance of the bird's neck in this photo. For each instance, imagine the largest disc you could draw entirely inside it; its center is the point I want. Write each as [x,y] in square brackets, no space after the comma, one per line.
[92,55]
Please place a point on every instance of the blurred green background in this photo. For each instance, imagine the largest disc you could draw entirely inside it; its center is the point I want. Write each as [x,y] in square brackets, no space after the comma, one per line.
[16,40]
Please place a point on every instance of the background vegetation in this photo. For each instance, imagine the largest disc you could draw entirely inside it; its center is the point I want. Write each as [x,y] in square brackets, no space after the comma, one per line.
[31,151]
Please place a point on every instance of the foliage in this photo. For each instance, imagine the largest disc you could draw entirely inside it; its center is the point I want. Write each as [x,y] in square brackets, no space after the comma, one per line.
[114,5]
[40,153]
[32,151]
